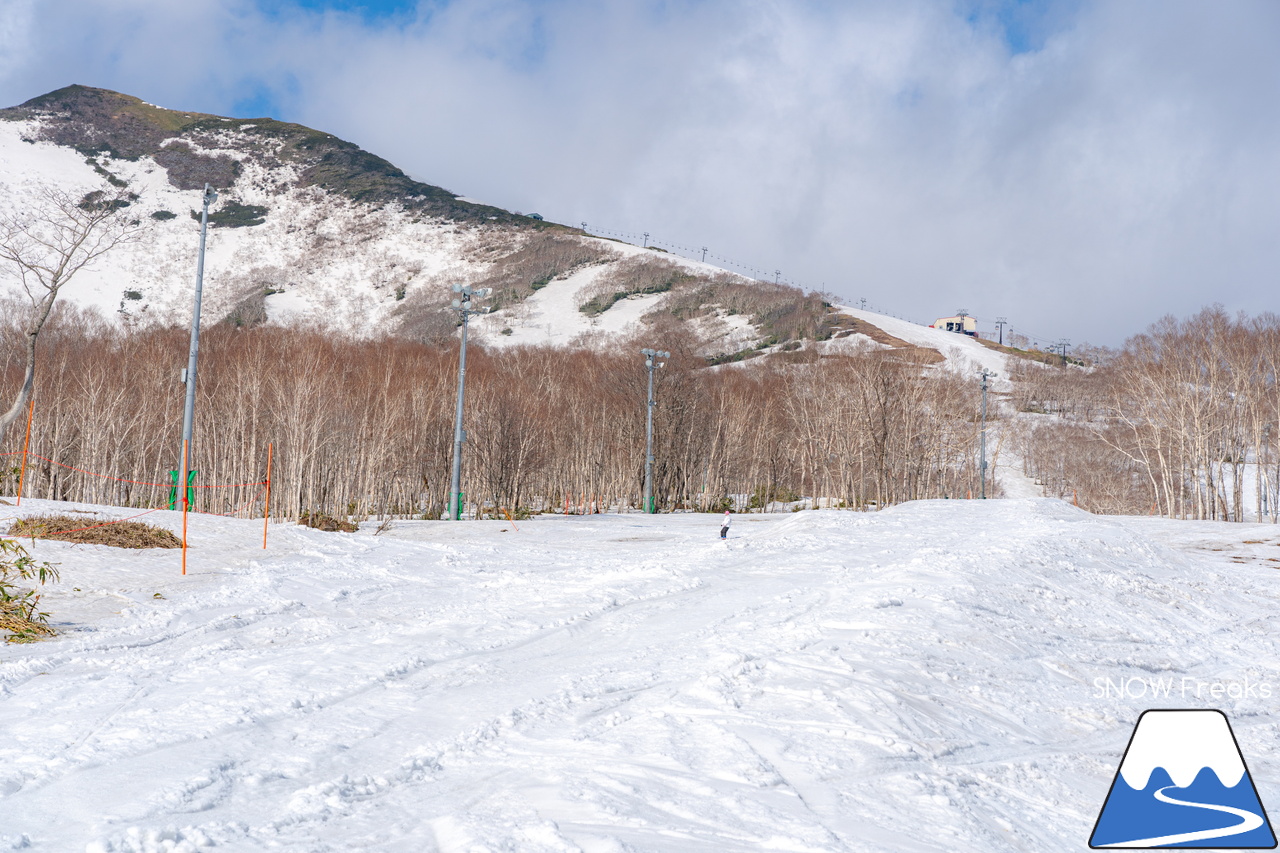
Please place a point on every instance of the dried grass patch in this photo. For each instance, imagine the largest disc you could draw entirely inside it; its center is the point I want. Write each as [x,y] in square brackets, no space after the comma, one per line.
[122,534]
[877,334]
[919,355]
[327,523]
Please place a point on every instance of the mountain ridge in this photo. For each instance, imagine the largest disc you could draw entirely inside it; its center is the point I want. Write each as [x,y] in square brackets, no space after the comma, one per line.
[99,122]
[311,228]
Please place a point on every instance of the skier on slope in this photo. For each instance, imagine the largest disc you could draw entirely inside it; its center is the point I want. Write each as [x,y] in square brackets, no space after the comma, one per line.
[724,526]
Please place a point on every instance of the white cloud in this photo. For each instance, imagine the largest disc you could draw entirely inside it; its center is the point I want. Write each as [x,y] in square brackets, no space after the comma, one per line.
[893,150]
[15,23]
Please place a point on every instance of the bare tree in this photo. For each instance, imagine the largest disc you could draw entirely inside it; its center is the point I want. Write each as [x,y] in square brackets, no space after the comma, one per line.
[46,244]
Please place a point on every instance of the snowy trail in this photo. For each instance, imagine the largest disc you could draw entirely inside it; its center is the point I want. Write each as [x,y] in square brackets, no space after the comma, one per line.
[919,679]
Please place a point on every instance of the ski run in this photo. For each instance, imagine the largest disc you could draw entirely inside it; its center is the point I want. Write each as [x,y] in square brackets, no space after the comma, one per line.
[939,676]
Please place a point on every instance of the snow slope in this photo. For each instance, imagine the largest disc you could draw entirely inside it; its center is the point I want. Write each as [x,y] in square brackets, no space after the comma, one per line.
[921,679]
[323,260]
[333,263]
[328,262]
[552,315]
[963,354]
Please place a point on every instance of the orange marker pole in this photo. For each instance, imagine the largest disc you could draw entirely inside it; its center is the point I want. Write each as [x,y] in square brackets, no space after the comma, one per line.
[183,486]
[266,512]
[31,410]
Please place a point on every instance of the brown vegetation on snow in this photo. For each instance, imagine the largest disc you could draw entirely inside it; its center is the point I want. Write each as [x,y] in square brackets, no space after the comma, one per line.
[90,531]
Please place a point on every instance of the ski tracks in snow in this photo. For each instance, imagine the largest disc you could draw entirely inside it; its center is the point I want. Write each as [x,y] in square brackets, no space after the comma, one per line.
[824,681]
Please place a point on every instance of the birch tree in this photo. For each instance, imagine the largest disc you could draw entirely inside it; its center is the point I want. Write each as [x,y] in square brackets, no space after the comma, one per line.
[44,245]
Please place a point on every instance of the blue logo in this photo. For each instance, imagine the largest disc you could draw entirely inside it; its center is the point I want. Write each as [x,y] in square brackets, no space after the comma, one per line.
[1183,783]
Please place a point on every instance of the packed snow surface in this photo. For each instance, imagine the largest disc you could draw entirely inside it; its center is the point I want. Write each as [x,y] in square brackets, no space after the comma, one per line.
[940,676]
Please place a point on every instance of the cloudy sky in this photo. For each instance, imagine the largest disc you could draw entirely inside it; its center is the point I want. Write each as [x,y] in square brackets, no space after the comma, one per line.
[1079,167]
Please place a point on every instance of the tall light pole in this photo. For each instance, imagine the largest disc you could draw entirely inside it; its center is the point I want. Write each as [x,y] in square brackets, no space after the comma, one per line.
[982,465]
[463,306]
[649,365]
[189,375]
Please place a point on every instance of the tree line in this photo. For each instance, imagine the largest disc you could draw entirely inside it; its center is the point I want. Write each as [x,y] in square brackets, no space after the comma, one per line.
[365,427]
[1181,421]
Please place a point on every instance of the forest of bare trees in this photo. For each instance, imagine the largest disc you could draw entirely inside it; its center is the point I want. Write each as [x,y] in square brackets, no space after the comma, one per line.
[364,428]
[1182,421]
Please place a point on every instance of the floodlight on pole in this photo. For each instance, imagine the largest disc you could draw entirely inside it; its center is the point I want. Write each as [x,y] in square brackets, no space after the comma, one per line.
[982,464]
[461,304]
[189,375]
[650,363]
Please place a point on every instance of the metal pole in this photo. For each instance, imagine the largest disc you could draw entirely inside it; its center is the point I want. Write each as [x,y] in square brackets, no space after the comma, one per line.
[463,306]
[455,482]
[186,446]
[649,363]
[648,441]
[189,377]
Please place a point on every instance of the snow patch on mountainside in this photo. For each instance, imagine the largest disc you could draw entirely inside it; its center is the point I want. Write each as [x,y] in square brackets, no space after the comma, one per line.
[553,315]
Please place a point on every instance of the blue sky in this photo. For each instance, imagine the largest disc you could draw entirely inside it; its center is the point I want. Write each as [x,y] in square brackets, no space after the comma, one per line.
[370,10]
[1079,166]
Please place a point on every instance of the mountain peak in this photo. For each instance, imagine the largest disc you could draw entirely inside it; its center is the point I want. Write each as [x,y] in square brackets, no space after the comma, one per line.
[98,122]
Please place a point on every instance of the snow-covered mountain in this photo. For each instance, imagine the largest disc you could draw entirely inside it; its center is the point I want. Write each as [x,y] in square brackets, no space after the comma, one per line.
[312,229]
[309,228]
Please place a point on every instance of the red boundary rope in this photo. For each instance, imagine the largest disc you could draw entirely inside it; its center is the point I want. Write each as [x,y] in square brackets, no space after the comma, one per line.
[253,500]
[134,482]
[265,484]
